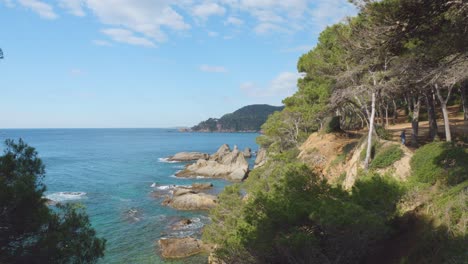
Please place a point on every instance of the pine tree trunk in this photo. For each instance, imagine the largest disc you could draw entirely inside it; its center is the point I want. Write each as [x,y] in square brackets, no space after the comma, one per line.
[463,91]
[431,116]
[415,121]
[395,112]
[443,105]
[371,131]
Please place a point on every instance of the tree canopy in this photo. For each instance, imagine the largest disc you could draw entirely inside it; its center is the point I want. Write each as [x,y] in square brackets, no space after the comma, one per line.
[30,232]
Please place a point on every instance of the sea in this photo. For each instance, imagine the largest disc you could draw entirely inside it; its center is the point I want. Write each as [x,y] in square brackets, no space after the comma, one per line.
[115,174]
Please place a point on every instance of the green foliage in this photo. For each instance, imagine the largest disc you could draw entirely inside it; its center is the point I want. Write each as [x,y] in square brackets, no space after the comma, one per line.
[291,216]
[248,118]
[378,194]
[383,133]
[374,148]
[30,232]
[332,124]
[440,162]
[386,156]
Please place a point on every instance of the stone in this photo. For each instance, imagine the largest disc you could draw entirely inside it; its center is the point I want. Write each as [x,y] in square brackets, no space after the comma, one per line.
[181,247]
[188,156]
[191,201]
[261,158]
[247,153]
[202,186]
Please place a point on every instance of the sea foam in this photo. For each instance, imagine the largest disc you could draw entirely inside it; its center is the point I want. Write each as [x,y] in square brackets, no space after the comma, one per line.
[166,160]
[65,196]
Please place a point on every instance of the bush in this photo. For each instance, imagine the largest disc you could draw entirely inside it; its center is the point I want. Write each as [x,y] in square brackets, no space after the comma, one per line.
[383,133]
[386,157]
[440,161]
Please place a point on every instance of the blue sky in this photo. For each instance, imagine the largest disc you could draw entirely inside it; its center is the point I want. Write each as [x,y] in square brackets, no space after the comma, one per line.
[150,63]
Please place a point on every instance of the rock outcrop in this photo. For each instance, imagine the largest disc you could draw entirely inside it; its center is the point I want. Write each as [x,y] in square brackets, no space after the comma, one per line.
[188,156]
[247,153]
[230,165]
[188,199]
[202,186]
[181,247]
[261,158]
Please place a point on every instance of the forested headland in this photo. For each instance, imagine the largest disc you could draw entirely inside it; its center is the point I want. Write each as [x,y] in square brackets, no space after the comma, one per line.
[246,119]
[337,186]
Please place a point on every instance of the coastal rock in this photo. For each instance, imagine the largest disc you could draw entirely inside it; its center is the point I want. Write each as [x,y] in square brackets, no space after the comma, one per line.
[223,164]
[222,151]
[181,224]
[202,186]
[247,153]
[181,247]
[186,199]
[261,158]
[188,156]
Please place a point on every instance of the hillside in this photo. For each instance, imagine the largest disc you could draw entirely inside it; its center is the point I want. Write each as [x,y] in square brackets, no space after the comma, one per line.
[249,118]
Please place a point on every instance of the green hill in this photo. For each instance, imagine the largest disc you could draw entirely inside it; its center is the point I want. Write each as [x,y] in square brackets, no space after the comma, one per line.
[248,118]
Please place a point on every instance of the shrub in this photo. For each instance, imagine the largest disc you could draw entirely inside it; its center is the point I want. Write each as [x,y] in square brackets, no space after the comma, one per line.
[386,157]
[383,133]
[440,161]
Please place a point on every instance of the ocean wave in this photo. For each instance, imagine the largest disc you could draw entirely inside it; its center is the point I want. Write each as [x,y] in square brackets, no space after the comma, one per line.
[166,187]
[65,196]
[166,160]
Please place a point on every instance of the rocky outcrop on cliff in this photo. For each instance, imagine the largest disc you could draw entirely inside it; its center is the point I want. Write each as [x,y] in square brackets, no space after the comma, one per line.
[226,164]
[261,158]
[247,153]
[182,247]
[188,156]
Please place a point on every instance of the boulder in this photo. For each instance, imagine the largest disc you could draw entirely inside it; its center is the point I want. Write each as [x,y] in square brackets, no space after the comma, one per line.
[261,158]
[188,156]
[186,199]
[247,153]
[181,247]
[228,165]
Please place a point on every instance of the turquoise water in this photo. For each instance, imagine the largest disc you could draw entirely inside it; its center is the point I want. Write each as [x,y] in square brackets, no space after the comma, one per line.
[113,169]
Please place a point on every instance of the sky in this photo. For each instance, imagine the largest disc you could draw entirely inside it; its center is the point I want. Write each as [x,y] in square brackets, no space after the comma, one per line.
[151,63]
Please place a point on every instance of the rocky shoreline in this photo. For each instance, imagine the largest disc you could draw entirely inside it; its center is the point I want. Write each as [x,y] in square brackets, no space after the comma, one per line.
[227,164]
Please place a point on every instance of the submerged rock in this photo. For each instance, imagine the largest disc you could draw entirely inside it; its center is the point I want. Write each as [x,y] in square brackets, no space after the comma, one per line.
[188,156]
[182,224]
[181,247]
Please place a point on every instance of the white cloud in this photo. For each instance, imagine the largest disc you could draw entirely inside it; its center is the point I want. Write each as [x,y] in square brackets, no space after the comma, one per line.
[99,42]
[233,21]
[154,20]
[215,69]
[265,28]
[127,36]
[208,9]
[145,16]
[285,84]
[74,7]
[44,10]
